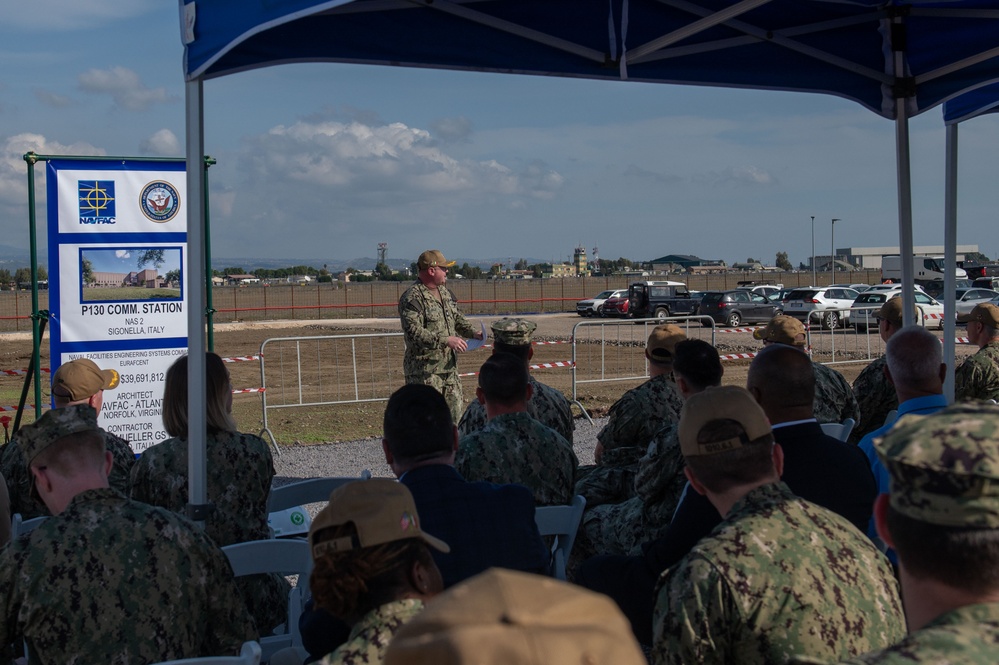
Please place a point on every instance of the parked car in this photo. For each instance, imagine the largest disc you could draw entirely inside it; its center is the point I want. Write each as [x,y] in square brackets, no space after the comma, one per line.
[737,306]
[967,299]
[826,304]
[980,283]
[765,289]
[780,296]
[859,288]
[869,302]
[591,306]
[660,300]
[936,288]
[616,306]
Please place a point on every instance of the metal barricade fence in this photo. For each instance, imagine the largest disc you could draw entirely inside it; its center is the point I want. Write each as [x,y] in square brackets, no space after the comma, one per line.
[614,351]
[329,369]
[857,338]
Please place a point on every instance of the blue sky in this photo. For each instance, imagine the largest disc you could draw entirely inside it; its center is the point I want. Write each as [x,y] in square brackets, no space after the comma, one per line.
[326,161]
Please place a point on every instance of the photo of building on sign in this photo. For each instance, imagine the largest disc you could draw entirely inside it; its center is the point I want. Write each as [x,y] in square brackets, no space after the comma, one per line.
[110,274]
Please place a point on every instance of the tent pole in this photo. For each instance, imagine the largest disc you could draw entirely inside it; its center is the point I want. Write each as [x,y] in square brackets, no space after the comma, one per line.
[950,260]
[194,281]
[905,213]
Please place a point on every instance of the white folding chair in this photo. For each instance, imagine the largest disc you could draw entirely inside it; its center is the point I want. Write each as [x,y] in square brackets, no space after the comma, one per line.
[20,526]
[250,654]
[841,430]
[561,522]
[314,490]
[285,557]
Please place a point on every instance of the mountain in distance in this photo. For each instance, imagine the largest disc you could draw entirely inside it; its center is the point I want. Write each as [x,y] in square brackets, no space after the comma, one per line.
[338,265]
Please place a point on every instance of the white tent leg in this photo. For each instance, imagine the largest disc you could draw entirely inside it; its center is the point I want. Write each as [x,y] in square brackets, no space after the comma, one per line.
[194,285]
[950,260]
[905,212]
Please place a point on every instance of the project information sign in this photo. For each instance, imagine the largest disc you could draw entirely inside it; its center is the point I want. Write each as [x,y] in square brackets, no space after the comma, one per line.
[117,234]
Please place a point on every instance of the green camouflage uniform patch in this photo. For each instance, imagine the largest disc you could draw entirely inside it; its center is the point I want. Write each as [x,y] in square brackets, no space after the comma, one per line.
[875,396]
[978,376]
[370,636]
[547,405]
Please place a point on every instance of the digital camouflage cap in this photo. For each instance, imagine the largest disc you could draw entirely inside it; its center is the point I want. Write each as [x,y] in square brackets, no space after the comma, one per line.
[944,468]
[54,425]
[515,332]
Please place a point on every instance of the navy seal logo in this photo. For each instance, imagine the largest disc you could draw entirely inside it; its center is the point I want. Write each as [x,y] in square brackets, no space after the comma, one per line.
[159,201]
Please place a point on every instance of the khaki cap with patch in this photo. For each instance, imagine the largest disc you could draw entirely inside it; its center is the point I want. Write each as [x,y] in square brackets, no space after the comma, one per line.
[79,379]
[782,329]
[432,258]
[944,467]
[515,332]
[891,311]
[54,425]
[985,312]
[382,511]
[720,403]
[662,342]
[502,616]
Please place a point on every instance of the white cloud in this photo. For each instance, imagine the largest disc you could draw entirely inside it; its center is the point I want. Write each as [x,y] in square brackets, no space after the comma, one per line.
[52,99]
[125,88]
[452,130]
[122,254]
[76,15]
[163,143]
[13,169]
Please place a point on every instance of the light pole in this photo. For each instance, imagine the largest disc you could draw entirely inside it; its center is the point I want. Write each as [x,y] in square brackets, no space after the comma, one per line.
[832,249]
[813,252]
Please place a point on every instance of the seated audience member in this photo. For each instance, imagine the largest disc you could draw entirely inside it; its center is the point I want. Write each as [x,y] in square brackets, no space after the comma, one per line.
[373,567]
[106,579]
[621,528]
[546,405]
[485,525]
[834,398]
[502,617]
[240,471]
[513,447]
[978,376]
[78,381]
[875,394]
[941,517]
[779,576]
[632,422]
[835,477]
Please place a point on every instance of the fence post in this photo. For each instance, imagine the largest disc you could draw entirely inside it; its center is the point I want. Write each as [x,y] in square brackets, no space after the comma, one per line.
[234,305]
[319,301]
[494,296]
[543,303]
[266,289]
[371,299]
[293,301]
[516,302]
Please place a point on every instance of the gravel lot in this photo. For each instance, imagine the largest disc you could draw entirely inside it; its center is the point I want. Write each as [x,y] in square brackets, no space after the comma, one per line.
[349,458]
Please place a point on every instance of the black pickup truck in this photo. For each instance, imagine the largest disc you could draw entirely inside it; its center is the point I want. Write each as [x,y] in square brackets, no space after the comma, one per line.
[660,300]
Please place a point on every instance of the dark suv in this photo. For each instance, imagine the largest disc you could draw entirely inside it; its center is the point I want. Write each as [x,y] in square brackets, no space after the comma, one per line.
[731,308]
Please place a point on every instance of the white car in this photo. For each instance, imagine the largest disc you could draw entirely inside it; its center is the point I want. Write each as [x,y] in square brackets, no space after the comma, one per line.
[591,306]
[827,305]
[869,302]
[968,298]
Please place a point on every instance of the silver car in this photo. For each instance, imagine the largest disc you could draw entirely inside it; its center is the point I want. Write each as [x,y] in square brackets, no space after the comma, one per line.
[827,305]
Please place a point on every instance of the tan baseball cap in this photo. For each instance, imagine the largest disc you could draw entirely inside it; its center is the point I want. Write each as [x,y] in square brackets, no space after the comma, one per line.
[891,311]
[985,312]
[503,616]
[432,258]
[662,342]
[382,511]
[79,379]
[720,403]
[54,425]
[782,329]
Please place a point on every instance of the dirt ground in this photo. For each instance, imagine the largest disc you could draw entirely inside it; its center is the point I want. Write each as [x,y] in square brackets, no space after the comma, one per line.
[363,361]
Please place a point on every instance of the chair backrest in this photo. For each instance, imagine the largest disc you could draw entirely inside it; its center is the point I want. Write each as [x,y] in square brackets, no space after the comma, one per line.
[19,526]
[285,557]
[561,522]
[314,490]
[250,654]
[841,430]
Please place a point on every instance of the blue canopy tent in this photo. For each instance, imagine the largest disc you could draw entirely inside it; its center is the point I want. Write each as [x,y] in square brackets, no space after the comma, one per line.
[895,58]
[981,100]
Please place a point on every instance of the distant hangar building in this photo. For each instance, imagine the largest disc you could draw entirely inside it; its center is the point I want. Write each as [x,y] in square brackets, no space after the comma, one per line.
[870,257]
[683,261]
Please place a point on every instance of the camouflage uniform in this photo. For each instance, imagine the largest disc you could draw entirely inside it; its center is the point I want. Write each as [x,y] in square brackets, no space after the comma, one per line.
[426,324]
[547,405]
[780,576]
[18,477]
[516,448]
[240,471]
[978,376]
[370,636]
[632,422]
[116,581]
[876,397]
[834,399]
[622,528]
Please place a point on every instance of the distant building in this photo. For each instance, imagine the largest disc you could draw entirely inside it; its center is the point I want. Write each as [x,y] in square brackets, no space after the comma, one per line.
[109,279]
[579,261]
[870,257]
[305,279]
[672,262]
[242,279]
[555,270]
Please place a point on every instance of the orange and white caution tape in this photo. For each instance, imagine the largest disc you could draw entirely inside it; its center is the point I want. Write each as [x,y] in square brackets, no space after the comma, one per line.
[735,330]
[239,359]
[248,390]
[20,372]
[14,408]
[738,356]
[567,363]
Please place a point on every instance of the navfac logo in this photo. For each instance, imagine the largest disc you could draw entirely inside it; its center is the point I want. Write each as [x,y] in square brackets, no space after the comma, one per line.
[96,201]
[159,201]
